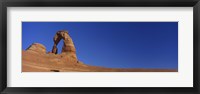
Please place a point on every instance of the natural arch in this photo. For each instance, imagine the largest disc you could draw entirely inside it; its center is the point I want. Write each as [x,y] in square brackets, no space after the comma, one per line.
[68,45]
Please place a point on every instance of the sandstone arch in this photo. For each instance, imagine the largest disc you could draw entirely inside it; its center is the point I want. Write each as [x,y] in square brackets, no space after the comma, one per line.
[68,47]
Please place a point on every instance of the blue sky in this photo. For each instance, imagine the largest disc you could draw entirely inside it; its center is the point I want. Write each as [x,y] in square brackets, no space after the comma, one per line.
[112,44]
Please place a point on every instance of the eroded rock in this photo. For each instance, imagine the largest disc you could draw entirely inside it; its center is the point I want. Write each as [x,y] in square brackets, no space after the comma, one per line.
[37,48]
[68,47]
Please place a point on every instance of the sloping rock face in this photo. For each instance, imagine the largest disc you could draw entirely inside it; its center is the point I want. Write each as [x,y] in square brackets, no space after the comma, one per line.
[37,48]
[50,62]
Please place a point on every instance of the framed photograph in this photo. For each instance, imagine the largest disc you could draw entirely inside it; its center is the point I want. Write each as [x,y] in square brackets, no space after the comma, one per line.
[107,46]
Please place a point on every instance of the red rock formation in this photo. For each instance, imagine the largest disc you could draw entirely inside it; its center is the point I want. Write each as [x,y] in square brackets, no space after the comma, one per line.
[68,45]
[37,48]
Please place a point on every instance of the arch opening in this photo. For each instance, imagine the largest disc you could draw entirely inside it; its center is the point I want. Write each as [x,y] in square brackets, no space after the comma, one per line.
[68,45]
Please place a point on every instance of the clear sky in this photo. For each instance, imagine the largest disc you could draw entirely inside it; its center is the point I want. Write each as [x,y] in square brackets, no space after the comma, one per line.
[112,44]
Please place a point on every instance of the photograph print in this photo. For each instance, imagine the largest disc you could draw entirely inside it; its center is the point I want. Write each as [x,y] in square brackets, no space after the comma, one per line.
[99,46]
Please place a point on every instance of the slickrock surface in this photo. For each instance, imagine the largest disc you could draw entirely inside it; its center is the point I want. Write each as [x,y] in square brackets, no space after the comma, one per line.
[37,48]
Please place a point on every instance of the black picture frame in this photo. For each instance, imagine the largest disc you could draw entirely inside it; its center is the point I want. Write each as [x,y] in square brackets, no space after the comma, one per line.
[99,3]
